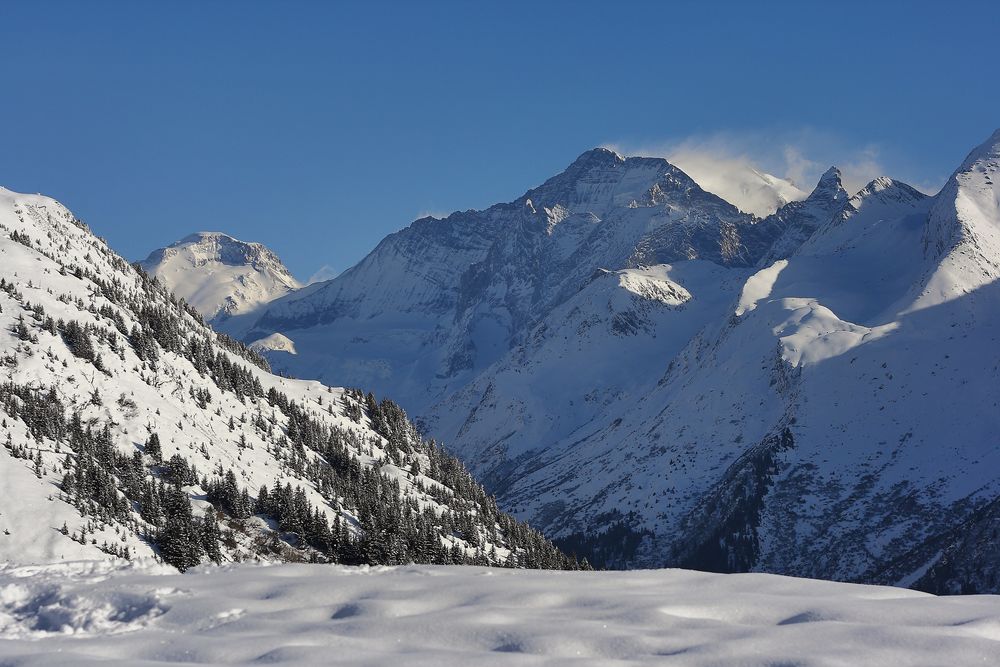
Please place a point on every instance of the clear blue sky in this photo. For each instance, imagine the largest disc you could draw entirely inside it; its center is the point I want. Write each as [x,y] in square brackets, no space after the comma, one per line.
[317,128]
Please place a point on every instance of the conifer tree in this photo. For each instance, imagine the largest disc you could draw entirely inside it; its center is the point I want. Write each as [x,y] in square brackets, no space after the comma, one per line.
[153,448]
[179,540]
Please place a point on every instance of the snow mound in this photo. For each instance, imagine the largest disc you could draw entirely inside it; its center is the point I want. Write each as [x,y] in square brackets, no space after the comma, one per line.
[39,602]
[654,285]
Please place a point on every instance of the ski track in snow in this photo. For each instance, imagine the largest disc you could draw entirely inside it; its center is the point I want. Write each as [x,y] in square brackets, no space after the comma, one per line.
[85,613]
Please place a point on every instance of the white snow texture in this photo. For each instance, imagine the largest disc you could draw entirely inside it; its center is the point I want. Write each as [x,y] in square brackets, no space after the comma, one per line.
[440,616]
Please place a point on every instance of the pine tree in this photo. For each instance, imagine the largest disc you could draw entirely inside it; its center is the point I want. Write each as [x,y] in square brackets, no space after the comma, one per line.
[153,448]
[22,330]
[179,539]
[211,536]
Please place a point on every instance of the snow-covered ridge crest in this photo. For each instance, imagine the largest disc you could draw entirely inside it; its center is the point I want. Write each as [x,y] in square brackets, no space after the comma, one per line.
[733,178]
[963,229]
[883,199]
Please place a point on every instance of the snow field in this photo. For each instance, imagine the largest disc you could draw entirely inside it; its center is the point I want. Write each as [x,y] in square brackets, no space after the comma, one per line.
[82,613]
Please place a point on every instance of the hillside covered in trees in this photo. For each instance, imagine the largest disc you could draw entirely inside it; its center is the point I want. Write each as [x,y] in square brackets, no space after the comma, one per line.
[130,429]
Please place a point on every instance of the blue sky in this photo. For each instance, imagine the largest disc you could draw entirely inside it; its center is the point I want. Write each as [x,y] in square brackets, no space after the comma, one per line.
[317,128]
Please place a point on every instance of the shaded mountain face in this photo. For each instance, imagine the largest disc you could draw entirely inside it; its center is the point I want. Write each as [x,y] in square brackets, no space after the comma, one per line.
[220,276]
[794,223]
[130,428]
[654,377]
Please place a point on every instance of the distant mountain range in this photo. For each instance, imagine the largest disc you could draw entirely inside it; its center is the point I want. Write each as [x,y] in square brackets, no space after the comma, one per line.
[655,377]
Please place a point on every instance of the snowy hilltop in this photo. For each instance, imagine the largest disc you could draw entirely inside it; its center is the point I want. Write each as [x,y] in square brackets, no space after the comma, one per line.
[655,377]
[130,429]
[220,276]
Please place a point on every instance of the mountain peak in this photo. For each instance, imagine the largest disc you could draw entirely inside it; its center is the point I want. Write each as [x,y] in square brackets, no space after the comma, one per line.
[830,186]
[599,156]
[200,237]
[220,247]
[220,275]
[889,188]
[601,179]
[967,210]
[831,176]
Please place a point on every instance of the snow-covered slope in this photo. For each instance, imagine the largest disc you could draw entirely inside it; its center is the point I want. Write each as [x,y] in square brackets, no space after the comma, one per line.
[839,420]
[595,350]
[614,338]
[130,428]
[438,616]
[220,276]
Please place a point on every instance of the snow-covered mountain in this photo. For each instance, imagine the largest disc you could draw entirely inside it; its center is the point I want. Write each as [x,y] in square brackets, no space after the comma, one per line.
[130,428]
[220,276]
[837,419]
[440,301]
[657,378]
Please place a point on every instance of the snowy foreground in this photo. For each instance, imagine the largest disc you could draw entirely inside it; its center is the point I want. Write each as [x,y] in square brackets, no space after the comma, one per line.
[439,615]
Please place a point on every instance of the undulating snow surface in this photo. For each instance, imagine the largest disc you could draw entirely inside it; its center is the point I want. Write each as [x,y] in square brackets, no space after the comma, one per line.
[87,613]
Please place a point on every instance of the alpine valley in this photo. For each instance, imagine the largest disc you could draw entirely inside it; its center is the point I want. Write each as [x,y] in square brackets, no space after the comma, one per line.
[652,376]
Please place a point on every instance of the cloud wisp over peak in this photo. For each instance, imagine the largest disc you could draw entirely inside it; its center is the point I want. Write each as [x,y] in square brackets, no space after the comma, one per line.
[758,171]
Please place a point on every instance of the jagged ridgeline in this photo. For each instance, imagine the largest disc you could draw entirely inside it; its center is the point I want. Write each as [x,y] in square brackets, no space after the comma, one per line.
[130,428]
